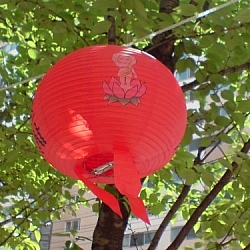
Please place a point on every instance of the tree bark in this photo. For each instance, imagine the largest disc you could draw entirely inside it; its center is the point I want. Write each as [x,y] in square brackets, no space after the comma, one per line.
[162,47]
[167,6]
[109,231]
[111,31]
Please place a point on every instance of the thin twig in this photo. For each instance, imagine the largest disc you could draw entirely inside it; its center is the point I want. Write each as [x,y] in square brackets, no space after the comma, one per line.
[225,179]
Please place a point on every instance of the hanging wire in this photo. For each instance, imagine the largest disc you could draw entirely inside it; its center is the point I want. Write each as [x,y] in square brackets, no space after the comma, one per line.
[149,36]
[184,21]
[22,82]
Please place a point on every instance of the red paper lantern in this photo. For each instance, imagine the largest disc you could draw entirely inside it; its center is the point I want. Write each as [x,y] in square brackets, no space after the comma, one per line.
[109,114]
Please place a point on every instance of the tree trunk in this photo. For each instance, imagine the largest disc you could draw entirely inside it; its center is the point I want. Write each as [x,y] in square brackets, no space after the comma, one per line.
[109,231]
[163,44]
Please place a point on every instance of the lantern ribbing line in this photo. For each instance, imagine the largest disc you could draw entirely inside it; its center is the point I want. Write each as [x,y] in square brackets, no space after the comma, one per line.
[150,36]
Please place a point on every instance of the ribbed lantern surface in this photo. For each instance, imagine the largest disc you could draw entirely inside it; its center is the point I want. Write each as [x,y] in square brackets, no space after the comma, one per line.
[109,114]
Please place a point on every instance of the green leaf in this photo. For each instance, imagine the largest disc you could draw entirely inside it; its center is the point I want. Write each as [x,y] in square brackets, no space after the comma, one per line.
[34,245]
[139,29]
[226,163]
[217,228]
[156,208]
[244,106]
[230,106]
[197,227]
[201,75]
[227,94]
[187,137]
[187,9]
[205,142]
[239,118]
[222,120]
[32,53]
[140,8]
[69,244]
[143,194]
[198,244]
[225,138]
[31,44]
[37,235]
[215,97]
[73,232]
[153,198]
[189,175]
[96,207]
[100,27]
[214,246]
[243,16]
[208,178]
[185,63]
[185,213]
[104,5]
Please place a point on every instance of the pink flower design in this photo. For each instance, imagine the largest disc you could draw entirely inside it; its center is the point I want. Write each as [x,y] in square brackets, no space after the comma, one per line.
[117,93]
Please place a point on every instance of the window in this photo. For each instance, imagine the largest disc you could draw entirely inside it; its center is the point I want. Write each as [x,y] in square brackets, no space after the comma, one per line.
[193,145]
[148,237]
[175,231]
[191,235]
[73,224]
[177,178]
[75,198]
[223,112]
[190,96]
[186,75]
[182,76]
[45,231]
[10,48]
[138,239]
[126,240]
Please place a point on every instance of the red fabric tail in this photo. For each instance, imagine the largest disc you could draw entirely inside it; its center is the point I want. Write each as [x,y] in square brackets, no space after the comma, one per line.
[103,195]
[138,208]
[128,182]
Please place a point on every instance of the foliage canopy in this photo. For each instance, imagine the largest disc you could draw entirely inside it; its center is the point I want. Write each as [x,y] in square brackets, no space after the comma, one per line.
[216,48]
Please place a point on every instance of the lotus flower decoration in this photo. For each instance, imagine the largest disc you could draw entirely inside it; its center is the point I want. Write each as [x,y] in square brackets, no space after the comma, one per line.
[127,87]
[115,92]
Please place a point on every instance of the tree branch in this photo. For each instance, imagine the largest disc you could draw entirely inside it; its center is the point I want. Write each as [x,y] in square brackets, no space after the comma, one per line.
[169,216]
[175,207]
[2,223]
[111,31]
[206,202]
[24,219]
[235,69]
[223,241]
[190,86]
[195,83]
